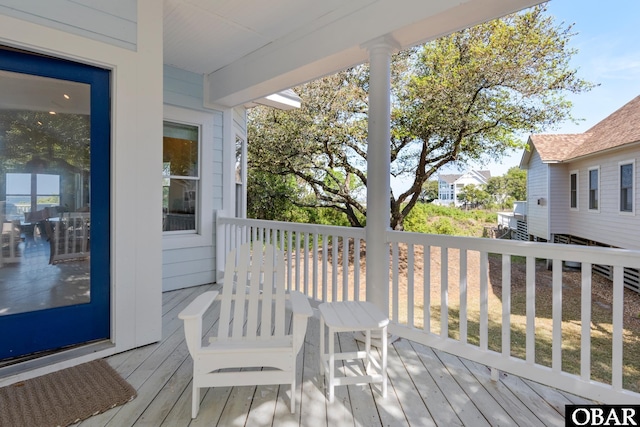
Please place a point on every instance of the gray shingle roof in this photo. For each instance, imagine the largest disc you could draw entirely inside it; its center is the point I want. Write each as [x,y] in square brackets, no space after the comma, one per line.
[449,178]
[616,130]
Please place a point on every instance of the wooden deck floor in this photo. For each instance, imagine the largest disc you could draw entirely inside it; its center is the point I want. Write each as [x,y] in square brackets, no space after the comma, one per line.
[426,388]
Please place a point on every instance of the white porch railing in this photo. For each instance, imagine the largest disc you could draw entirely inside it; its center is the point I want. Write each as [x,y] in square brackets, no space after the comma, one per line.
[317,263]
[501,321]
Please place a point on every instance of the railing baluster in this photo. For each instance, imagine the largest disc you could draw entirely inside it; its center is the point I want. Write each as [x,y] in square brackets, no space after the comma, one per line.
[315,266]
[617,317]
[506,305]
[345,269]
[426,263]
[444,292]
[410,292]
[305,255]
[585,319]
[531,310]
[298,261]
[556,343]
[463,296]
[484,300]
[289,260]
[334,268]
[325,281]
[356,269]
[394,281]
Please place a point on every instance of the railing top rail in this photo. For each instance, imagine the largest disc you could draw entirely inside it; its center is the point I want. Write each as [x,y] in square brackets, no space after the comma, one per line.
[330,230]
[578,253]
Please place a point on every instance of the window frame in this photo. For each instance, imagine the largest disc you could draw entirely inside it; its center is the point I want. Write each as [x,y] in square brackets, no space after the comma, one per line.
[591,208]
[241,181]
[631,163]
[577,190]
[203,236]
[197,178]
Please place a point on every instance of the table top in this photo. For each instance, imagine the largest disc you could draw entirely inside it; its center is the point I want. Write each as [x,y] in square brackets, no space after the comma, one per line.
[352,315]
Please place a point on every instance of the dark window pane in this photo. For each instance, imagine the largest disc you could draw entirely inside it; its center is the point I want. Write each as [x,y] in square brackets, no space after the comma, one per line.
[593,189]
[574,190]
[626,188]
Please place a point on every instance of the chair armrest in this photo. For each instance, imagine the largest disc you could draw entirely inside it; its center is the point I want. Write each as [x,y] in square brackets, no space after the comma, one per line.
[192,317]
[198,306]
[300,304]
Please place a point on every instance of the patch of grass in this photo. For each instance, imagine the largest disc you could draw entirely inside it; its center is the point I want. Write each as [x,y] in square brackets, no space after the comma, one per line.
[434,219]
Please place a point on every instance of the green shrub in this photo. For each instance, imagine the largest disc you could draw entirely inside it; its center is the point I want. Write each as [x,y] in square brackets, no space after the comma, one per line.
[445,226]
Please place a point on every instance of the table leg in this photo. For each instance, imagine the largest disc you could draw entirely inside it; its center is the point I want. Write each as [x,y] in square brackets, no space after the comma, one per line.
[321,353]
[384,362]
[332,363]
[367,348]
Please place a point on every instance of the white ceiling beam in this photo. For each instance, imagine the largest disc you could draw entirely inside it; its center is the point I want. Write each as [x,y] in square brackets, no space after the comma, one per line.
[337,44]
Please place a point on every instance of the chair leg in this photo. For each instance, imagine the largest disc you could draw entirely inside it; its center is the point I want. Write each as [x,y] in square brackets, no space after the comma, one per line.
[293,396]
[384,361]
[195,401]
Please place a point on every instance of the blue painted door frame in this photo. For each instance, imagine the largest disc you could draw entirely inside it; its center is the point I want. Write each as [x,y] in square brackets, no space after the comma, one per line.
[55,328]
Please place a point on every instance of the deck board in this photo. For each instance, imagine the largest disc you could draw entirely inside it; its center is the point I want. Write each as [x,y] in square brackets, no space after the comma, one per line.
[426,388]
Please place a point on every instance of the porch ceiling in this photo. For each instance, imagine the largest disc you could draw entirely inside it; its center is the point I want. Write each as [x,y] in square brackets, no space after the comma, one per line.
[248,49]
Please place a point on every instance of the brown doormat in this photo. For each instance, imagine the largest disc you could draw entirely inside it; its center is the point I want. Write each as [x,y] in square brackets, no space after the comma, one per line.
[64,397]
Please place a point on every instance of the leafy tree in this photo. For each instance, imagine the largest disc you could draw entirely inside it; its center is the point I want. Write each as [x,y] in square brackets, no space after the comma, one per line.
[463,98]
[56,142]
[429,191]
[473,196]
[270,197]
[497,188]
[508,188]
[322,144]
[516,183]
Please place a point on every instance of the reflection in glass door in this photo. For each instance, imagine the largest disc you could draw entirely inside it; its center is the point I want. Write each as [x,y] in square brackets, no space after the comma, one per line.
[54,138]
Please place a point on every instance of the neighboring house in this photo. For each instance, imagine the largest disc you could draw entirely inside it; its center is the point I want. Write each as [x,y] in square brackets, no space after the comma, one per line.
[582,188]
[122,69]
[450,185]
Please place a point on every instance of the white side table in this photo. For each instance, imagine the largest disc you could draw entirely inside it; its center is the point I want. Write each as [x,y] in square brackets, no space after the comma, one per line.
[353,316]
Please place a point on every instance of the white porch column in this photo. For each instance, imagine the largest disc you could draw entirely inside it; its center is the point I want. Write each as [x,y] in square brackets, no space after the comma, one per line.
[378,170]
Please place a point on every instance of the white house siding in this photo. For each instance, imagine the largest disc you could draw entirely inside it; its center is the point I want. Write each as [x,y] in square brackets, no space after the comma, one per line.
[112,21]
[538,190]
[559,198]
[190,260]
[607,226]
[136,154]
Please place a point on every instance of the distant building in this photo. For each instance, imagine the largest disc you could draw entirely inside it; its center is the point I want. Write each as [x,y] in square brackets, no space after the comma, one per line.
[450,185]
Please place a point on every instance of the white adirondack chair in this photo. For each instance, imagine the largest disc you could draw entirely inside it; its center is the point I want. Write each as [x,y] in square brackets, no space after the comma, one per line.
[251,329]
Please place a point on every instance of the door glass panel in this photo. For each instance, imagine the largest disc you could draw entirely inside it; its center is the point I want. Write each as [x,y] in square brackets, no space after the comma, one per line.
[45,148]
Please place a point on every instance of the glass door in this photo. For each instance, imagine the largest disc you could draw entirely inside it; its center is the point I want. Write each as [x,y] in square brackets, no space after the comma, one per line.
[54,204]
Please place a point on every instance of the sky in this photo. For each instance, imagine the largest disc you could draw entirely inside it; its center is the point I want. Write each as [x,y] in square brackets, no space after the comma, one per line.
[607,37]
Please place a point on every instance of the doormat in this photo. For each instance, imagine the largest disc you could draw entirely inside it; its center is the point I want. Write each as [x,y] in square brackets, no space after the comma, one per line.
[64,397]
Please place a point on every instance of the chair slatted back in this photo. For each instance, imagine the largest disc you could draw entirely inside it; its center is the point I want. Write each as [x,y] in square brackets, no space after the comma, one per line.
[253,294]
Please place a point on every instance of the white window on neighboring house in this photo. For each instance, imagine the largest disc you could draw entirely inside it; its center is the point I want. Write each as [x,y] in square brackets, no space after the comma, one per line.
[627,178]
[594,188]
[181,177]
[574,190]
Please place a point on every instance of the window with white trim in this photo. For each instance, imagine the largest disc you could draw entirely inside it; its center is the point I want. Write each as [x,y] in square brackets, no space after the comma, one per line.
[627,175]
[180,177]
[594,188]
[241,177]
